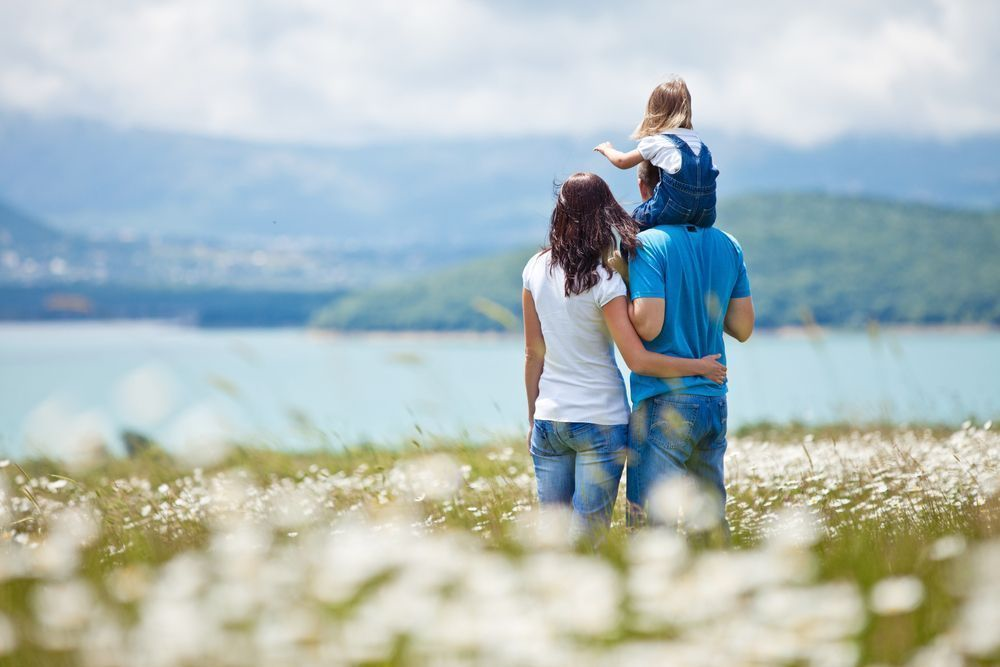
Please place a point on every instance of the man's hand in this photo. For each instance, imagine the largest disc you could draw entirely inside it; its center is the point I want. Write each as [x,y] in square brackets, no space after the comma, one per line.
[531,429]
[713,370]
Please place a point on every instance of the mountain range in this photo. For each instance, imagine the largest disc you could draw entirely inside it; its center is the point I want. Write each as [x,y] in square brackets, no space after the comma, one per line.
[139,223]
[454,198]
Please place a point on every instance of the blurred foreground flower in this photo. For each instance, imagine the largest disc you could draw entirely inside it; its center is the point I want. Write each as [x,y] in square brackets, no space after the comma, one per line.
[146,396]
[435,477]
[200,435]
[56,430]
[897,595]
[683,500]
[978,624]
[344,560]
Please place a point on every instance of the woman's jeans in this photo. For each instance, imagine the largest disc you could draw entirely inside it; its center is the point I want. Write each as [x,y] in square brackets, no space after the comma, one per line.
[580,465]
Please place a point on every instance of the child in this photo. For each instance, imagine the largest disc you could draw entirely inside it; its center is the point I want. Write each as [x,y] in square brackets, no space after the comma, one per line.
[685,194]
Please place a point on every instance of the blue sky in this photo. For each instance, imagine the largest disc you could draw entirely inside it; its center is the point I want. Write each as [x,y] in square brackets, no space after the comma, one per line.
[347,72]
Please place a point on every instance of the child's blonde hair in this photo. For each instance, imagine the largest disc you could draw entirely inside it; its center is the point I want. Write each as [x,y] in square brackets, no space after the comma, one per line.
[669,108]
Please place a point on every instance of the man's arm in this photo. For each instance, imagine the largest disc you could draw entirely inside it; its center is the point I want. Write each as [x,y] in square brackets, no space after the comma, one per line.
[646,314]
[739,318]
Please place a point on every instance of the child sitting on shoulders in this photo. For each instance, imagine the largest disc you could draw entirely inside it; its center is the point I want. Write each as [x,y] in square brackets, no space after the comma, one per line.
[685,194]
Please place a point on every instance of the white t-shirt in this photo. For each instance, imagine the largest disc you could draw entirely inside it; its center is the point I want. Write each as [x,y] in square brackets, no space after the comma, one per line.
[580,380]
[663,154]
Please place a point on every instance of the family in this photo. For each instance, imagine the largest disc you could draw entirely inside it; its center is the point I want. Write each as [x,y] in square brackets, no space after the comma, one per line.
[663,285]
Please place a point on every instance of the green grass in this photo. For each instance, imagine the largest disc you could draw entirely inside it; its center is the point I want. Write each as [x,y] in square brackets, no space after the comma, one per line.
[881,501]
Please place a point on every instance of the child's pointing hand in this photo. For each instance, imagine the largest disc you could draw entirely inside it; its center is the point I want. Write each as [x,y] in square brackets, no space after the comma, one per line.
[617,158]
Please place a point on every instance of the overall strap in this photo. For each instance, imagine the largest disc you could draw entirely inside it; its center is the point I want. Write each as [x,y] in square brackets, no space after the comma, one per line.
[706,151]
[709,163]
[680,144]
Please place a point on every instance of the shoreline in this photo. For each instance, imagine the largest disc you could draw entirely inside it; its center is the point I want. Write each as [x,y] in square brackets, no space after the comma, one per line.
[787,331]
[777,433]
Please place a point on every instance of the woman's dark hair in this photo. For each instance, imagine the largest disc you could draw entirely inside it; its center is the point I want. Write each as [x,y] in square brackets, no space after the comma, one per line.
[580,235]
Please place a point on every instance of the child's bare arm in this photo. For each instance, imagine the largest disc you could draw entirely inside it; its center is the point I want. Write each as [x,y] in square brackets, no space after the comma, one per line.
[617,158]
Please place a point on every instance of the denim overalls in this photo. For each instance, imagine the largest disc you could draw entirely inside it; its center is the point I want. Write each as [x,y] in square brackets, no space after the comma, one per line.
[684,198]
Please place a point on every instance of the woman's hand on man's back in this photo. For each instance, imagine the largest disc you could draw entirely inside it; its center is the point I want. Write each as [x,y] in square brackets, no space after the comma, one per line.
[714,371]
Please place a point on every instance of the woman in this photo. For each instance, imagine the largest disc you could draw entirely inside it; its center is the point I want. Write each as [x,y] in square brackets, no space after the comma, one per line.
[574,305]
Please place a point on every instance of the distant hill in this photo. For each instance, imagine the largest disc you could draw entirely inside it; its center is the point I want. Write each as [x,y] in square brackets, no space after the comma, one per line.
[452,299]
[419,195]
[838,261]
[18,229]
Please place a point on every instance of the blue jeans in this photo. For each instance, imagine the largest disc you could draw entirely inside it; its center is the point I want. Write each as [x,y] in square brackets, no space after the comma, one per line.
[676,434]
[579,465]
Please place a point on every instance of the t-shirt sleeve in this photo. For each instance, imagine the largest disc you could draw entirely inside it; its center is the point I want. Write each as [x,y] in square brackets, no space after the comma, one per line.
[648,147]
[742,287]
[609,288]
[526,274]
[646,275]
[661,152]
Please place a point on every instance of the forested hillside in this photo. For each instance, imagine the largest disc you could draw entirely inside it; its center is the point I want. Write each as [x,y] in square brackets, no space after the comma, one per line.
[837,260]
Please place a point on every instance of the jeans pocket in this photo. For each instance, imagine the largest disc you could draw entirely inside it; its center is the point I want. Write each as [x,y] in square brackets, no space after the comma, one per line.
[707,217]
[672,423]
[716,438]
[580,432]
[542,438]
[675,210]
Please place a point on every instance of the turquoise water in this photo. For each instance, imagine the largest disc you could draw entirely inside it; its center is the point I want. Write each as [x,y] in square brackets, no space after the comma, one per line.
[294,388]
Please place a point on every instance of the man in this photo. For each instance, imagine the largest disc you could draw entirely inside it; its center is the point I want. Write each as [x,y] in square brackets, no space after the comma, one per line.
[688,285]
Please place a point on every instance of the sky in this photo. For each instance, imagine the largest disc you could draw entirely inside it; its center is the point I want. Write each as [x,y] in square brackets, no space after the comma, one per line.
[346,72]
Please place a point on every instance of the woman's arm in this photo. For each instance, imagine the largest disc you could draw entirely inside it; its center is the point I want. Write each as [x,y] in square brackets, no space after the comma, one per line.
[644,362]
[617,158]
[534,353]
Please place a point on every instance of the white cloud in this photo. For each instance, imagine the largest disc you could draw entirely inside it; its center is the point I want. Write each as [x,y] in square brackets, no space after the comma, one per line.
[351,71]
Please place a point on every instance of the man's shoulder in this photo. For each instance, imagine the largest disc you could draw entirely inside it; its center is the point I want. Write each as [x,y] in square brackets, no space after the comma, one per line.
[726,237]
[651,233]
[654,236]
[659,234]
[664,235]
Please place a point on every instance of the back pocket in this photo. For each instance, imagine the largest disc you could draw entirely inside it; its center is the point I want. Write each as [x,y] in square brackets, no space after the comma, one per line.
[673,423]
[707,217]
[674,209]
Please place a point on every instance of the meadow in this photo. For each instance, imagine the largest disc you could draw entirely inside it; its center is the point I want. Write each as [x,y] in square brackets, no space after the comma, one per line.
[849,546]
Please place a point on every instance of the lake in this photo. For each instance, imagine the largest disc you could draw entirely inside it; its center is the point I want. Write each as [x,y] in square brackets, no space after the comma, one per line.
[296,388]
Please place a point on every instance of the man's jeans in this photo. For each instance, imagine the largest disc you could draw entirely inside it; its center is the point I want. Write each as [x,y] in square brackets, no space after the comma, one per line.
[676,434]
[579,465]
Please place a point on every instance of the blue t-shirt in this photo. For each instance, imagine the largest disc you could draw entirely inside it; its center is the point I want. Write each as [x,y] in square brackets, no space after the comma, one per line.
[696,271]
